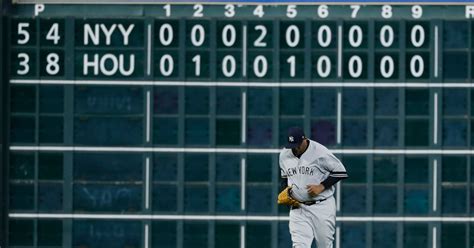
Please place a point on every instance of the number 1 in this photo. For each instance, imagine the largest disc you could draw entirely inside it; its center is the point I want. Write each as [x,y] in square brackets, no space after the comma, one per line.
[167,10]
[292,61]
[197,65]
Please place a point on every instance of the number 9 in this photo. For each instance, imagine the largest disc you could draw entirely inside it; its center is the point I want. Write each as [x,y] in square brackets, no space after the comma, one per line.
[416,11]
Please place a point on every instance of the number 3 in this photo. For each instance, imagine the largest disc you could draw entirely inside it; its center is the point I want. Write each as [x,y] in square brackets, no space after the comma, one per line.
[24,64]
[230,10]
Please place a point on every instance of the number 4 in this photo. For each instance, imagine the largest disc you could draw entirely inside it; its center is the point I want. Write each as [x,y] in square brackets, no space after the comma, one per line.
[53,34]
[259,11]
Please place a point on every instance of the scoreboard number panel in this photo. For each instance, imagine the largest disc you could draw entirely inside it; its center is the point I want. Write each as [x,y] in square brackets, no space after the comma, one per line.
[250,43]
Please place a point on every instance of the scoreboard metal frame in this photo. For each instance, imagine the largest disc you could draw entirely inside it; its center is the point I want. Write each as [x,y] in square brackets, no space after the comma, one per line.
[3,139]
[93,45]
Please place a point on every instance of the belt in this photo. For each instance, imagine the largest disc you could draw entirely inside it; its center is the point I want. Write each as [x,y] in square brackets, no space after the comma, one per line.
[309,203]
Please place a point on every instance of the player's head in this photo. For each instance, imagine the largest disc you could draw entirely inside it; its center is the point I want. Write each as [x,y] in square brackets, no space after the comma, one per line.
[295,137]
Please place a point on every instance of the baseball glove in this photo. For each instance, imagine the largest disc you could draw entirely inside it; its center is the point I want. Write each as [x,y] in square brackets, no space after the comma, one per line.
[285,198]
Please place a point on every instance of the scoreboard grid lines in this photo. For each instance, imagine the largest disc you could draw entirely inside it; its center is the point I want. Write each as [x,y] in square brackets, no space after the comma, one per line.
[249,3]
[263,218]
[245,84]
[158,149]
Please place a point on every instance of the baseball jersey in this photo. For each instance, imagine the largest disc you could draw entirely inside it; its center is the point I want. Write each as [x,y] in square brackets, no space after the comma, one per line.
[314,166]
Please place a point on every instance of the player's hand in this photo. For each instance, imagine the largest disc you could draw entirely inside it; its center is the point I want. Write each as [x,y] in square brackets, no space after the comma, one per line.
[315,189]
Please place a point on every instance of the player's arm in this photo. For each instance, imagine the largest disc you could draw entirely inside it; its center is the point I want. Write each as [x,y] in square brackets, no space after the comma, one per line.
[284,176]
[337,172]
[283,183]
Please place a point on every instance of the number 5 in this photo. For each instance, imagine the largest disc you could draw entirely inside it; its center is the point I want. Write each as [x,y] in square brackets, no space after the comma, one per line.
[291,11]
[23,32]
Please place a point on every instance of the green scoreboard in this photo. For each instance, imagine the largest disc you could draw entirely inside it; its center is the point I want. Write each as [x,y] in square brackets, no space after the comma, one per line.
[159,124]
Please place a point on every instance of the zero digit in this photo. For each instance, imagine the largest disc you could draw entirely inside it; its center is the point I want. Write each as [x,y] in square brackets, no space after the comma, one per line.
[355,36]
[324,36]
[166,65]
[198,35]
[386,36]
[229,35]
[387,66]
[260,66]
[229,66]
[417,66]
[355,66]
[323,66]
[417,36]
[292,36]
[166,34]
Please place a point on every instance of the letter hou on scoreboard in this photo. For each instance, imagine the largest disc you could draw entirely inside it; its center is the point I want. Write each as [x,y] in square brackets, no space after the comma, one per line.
[146,44]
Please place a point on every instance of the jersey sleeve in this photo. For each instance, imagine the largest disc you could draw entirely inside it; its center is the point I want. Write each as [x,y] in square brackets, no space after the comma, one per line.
[333,165]
[336,169]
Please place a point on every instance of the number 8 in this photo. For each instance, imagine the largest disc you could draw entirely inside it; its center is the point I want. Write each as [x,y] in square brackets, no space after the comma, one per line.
[387,11]
[53,64]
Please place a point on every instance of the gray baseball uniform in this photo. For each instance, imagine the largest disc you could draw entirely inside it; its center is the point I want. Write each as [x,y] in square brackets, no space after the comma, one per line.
[317,218]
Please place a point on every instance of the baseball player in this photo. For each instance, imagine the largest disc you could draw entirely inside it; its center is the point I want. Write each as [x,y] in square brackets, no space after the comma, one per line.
[309,171]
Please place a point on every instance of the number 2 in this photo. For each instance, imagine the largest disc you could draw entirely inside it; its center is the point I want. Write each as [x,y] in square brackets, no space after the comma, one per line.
[198,8]
[263,32]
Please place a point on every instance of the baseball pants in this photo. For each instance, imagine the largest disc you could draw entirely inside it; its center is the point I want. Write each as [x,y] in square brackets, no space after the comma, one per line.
[317,221]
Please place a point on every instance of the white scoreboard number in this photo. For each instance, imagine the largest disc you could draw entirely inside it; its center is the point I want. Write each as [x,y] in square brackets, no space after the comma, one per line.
[53,60]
